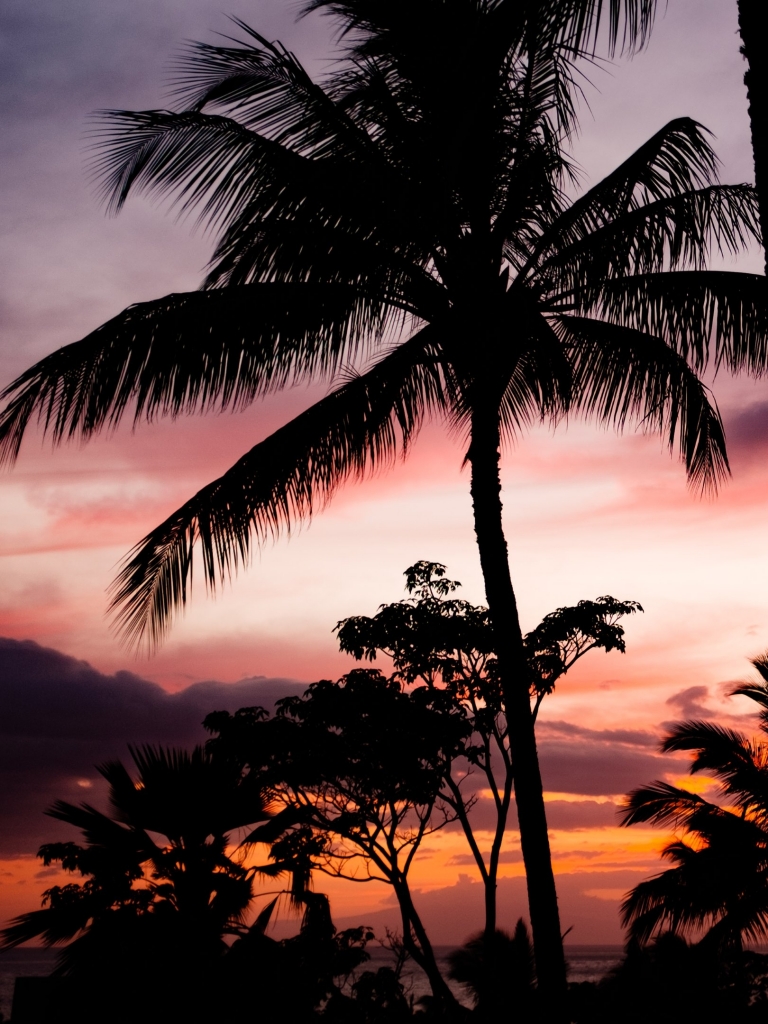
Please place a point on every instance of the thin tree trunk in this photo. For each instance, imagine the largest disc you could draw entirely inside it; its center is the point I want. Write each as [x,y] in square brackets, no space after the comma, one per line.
[484,455]
[752,14]
[493,863]
[421,949]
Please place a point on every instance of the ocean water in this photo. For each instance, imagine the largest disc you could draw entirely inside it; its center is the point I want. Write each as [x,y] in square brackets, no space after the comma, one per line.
[18,963]
[591,963]
[586,963]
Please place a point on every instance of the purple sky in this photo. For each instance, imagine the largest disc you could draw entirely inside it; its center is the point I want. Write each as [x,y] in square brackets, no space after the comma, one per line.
[587,513]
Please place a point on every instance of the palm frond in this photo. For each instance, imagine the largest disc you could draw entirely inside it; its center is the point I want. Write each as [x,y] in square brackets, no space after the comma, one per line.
[51,924]
[193,351]
[716,745]
[359,426]
[676,160]
[629,22]
[719,885]
[266,88]
[221,167]
[761,664]
[758,691]
[675,899]
[660,804]
[621,375]
[541,384]
[669,234]
[739,763]
[101,831]
[693,310]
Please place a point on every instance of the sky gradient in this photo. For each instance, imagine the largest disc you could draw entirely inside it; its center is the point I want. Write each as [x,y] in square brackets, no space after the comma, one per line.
[586,512]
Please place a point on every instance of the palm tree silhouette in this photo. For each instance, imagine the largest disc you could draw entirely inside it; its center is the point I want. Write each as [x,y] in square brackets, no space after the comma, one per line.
[184,891]
[410,217]
[720,876]
[752,32]
[498,969]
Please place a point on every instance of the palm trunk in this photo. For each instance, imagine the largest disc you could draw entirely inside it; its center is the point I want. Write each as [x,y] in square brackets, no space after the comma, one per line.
[752,32]
[484,457]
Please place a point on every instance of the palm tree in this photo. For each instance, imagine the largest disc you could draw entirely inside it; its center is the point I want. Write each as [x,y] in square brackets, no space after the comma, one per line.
[410,216]
[187,884]
[720,876]
[494,967]
[751,30]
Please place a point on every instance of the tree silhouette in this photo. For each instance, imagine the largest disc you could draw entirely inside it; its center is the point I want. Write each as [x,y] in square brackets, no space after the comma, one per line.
[409,217]
[669,979]
[499,971]
[439,640]
[150,919]
[719,880]
[356,766]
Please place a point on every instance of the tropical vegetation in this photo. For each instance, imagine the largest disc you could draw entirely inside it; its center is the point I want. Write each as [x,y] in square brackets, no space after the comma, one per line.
[718,883]
[445,644]
[348,780]
[162,927]
[367,767]
[408,225]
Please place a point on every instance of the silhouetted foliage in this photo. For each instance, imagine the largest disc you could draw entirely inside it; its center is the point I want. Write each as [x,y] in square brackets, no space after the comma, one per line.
[366,767]
[499,971]
[410,214]
[357,767]
[669,979]
[160,892]
[438,640]
[157,930]
[720,876]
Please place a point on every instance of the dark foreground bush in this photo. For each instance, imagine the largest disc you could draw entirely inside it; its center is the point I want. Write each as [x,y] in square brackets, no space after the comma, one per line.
[670,980]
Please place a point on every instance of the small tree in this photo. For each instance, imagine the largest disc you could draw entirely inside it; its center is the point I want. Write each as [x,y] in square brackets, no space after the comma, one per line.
[366,768]
[446,644]
[357,766]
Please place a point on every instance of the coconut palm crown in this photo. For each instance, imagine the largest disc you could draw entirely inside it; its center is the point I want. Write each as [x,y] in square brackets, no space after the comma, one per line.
[407,216]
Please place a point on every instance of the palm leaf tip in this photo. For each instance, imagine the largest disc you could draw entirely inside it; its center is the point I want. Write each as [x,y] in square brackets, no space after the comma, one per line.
[152,584]
[365,422]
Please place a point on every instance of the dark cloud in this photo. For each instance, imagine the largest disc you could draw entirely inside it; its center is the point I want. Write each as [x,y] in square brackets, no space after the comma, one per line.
[630,737]
[600,769]
[747,432]
[506,857]
[516,856]
[564,815]
[599,762]
[589,903]
[59,717]
[573,814]
[689,702]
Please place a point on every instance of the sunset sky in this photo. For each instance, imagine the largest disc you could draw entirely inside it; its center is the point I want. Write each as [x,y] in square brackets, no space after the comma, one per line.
[587,513]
